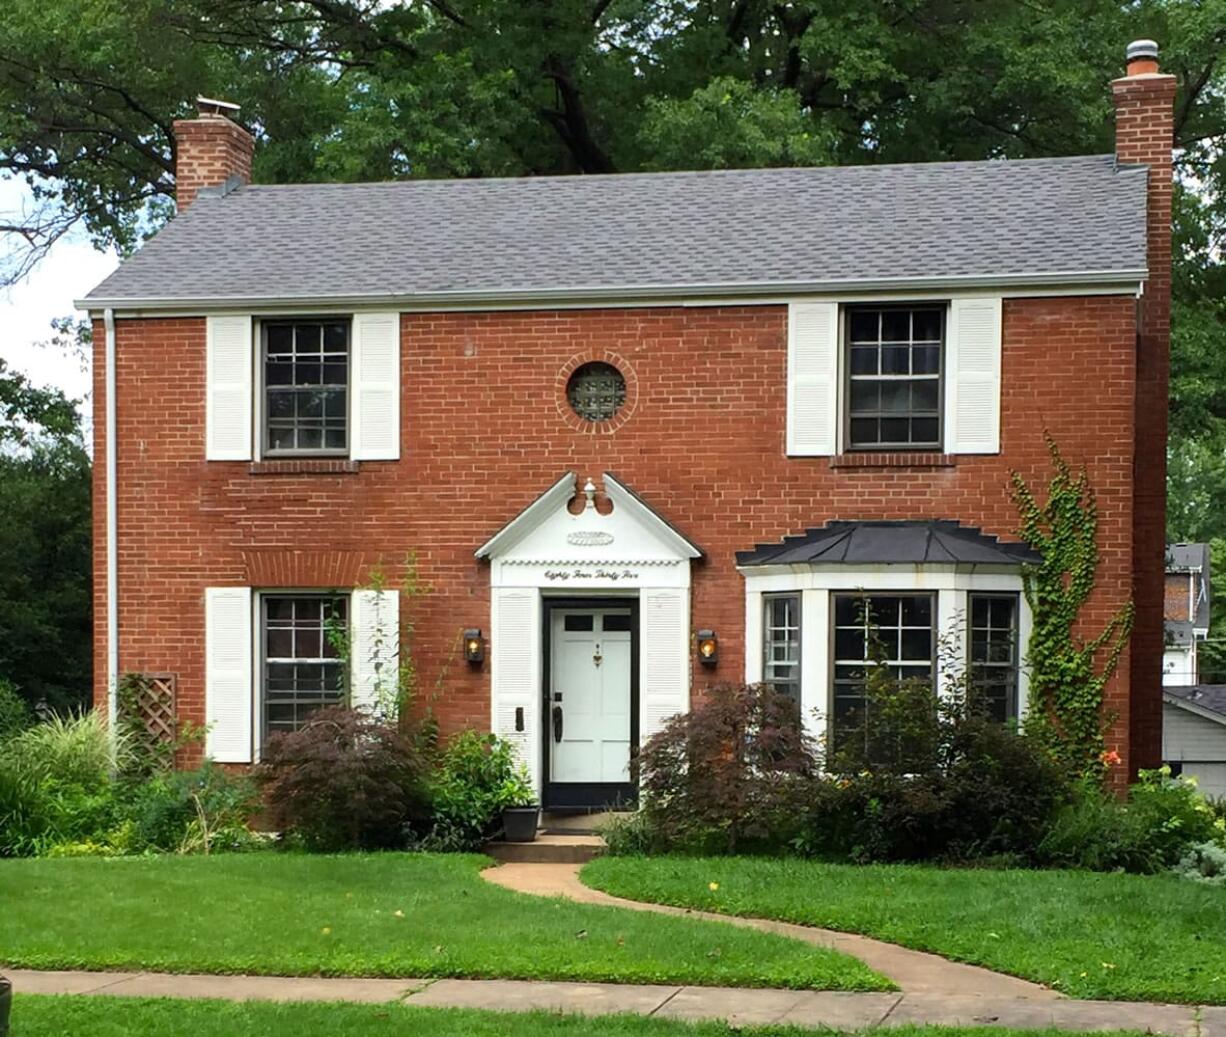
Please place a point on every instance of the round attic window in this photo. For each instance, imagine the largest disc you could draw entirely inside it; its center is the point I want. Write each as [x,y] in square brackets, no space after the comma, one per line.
[596,391]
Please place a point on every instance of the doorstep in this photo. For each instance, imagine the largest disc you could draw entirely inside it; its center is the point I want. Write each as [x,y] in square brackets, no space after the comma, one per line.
[548,848]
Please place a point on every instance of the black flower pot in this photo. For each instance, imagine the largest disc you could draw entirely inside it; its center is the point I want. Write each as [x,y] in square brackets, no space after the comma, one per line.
[6,1002]
[519,824]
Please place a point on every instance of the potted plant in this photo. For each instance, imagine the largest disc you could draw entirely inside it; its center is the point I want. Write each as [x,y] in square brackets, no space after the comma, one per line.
[521,814]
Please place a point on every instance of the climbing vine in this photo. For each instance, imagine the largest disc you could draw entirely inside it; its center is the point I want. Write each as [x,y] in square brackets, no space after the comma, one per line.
[1068,673]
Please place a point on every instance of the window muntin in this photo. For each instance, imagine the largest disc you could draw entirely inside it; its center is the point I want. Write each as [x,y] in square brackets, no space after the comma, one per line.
[306,387]
[781,643]
[893,361]
[596,391]
[994,654]
[302,665]
[904,626]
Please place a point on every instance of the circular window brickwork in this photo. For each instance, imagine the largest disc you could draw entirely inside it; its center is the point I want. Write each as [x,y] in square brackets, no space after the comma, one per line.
[596,391]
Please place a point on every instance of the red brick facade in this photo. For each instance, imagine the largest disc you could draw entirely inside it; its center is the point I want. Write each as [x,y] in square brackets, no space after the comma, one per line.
[483,432]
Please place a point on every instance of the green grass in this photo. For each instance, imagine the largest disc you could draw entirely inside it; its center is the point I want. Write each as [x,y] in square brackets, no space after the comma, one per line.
[370,915]
[1121,937]
[167,1017]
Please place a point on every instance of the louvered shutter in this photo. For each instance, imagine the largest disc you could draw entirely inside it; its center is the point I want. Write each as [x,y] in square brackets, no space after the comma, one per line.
[374,649]
[973,394]
[665,647]
[515,686]
[813,378]
[228,367]
[376,387]
[228,691]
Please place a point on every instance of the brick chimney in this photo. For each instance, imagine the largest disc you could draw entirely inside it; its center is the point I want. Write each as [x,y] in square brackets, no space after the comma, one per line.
[210,150]
[1144,135]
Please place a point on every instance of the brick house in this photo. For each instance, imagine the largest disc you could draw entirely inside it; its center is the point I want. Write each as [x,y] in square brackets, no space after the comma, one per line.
[642,433]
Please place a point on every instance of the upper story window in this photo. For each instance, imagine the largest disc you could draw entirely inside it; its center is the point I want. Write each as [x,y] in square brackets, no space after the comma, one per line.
[596,391]
[306,387]
[893,365]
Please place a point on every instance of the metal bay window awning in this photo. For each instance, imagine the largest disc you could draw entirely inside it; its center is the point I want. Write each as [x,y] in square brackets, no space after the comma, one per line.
[906,542]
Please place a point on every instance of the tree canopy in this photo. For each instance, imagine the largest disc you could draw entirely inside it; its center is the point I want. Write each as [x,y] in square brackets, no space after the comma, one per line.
[378,89]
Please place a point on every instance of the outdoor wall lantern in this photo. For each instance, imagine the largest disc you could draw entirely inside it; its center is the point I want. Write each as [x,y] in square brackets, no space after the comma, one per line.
[708,647]
[474,645]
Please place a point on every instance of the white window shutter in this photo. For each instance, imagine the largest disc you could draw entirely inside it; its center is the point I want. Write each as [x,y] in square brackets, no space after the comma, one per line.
[515,680]
[665,646]
[813,378]
[374,649]
[972,402]
[228,345]
[376,387]
[228,696]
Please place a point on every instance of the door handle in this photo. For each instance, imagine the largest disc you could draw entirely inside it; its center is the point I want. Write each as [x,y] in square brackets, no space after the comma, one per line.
[557,723]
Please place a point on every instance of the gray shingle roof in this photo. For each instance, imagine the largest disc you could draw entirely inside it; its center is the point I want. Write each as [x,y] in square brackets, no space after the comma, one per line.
[695,233]
[1194,557]
[899,542]
[1200,698]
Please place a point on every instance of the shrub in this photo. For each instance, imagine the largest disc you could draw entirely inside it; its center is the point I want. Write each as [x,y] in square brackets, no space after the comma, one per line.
[728,774]
[630,835]
[476,779]
[984,791]
[76,750]
[1203,862]
[202,811]
[14,716]
[344,781]
[1161,820]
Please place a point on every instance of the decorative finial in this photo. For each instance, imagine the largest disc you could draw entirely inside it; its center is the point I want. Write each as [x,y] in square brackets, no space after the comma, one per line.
[589,491]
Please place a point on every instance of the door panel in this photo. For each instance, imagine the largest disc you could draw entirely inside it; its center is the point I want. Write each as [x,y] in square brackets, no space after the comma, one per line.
[590,683]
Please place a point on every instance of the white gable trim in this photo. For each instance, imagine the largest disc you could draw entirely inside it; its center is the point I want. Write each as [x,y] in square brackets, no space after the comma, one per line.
[546,504]
[625,498]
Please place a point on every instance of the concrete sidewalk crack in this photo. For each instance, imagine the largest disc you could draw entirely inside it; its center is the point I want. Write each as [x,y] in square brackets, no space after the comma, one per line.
[665,1002]
[888,1012]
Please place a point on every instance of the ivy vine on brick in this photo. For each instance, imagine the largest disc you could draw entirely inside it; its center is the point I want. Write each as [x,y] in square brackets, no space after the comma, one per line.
[1068,672]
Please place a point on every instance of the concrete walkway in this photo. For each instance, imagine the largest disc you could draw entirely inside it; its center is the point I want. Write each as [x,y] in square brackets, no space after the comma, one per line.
[843,1011]
[913,972]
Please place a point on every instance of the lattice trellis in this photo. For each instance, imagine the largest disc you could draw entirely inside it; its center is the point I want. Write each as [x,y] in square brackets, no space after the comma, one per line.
[147,707]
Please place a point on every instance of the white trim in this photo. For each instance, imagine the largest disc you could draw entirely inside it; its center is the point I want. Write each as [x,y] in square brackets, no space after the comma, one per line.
[951,585]
[506,538]
[1090,282]
[112,530]
[623,497]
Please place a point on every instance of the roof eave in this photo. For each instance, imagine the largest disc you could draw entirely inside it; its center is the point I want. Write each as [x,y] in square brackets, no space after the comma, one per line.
[1123,279]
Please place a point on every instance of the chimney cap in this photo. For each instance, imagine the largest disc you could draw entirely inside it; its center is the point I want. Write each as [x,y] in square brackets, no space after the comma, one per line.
[1138,50]
[211,106]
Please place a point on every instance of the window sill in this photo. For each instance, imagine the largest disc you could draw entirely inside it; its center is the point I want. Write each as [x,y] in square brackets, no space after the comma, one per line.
[896,459]
[304,466]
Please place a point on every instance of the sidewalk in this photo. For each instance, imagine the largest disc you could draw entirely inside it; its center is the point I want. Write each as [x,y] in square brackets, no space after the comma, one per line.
[843,1011]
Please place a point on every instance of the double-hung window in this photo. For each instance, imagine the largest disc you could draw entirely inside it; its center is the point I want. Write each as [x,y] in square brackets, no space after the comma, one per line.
[893,387]
[781,643]
[994,654]
[303,666]
[306,387]
[903,625]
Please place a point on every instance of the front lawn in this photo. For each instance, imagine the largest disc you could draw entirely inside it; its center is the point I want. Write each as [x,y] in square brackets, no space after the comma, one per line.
[166,1017]
[370,915]
[1120,937]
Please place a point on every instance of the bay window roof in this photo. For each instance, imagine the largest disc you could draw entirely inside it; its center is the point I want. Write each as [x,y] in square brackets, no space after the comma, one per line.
[903,542]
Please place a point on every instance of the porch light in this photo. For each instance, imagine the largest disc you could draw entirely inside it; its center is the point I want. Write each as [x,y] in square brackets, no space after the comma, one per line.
[708,647]
[474,645]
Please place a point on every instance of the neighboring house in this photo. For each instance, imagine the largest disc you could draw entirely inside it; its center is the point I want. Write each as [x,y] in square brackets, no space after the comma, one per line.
[1194,734]
[643,433]
[1185,611]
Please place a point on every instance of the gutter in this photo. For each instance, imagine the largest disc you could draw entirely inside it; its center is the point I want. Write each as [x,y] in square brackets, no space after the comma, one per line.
[580,294]
[112,531]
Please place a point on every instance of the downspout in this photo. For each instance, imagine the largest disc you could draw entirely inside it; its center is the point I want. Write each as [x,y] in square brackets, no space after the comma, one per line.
[112,530]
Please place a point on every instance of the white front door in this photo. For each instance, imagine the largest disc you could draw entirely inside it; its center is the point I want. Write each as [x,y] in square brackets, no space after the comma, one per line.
[588,722]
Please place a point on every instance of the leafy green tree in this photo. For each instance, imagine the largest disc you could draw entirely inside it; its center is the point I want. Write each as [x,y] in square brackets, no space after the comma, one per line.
[45,608]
